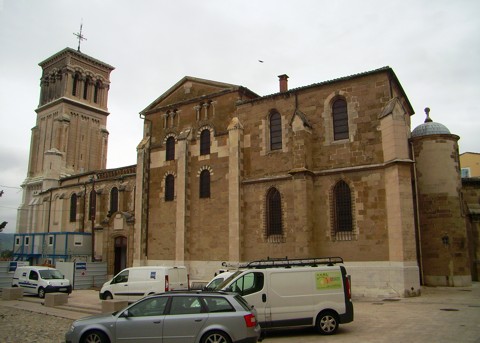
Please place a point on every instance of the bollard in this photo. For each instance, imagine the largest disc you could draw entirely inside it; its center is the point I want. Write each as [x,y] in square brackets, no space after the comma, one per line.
[55,299]
[12,293]
[109,306]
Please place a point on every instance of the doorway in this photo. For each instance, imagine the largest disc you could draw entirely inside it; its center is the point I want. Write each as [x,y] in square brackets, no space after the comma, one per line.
[120,254]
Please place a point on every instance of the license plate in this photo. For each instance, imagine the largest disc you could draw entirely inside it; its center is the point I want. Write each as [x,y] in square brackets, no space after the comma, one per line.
[62,289]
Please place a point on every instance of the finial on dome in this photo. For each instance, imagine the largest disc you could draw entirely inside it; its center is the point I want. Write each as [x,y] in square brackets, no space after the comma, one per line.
[427,112]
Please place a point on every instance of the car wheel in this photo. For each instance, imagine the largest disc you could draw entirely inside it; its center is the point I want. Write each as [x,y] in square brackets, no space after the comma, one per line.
[94,336]
[216,337]
[107,296]
[41,293]
[327,323]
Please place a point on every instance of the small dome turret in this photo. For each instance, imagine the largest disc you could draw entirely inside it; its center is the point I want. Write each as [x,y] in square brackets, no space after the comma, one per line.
[429,127]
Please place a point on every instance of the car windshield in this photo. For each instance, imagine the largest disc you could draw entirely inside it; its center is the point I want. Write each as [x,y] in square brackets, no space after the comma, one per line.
[212,285]
[226,281]
[50,274]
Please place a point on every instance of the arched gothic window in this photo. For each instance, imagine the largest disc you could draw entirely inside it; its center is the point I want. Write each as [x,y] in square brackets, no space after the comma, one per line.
[340,119]
[170,149]
[205,184]
[205,142]
[169,187]
[275,131]
[73,208]
[343,219]
[113,200]
[274,213]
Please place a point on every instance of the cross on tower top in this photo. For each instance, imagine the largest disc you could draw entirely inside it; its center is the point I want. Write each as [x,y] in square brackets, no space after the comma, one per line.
[80,37]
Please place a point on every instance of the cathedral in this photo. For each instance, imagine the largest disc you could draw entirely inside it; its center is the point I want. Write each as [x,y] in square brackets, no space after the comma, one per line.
[226,176]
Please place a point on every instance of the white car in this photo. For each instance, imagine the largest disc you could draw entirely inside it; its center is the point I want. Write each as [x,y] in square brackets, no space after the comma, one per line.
[40,280]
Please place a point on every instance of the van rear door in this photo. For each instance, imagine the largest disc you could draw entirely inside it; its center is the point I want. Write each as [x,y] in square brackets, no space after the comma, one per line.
[177,278]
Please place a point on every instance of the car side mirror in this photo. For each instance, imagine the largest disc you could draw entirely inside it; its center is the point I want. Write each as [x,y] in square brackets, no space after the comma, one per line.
[125,314]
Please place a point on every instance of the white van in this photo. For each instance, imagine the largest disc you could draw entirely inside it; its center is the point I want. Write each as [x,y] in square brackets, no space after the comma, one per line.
[136,282]
[296,292]
[217,280]
[40,280]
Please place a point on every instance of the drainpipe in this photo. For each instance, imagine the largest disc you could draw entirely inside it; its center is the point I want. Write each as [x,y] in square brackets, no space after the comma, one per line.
[93,209]
[145,186]
[417,219]
[82,229]
[49,211]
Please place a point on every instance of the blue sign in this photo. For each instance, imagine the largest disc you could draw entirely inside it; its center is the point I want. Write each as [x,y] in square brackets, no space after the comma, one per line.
[81,265]
[12,267]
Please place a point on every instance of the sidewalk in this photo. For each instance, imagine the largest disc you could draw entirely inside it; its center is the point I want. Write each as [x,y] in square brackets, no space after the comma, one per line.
[81,303]
[440,314]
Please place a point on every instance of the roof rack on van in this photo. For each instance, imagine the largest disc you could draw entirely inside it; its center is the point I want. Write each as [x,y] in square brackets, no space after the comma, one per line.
[292,262]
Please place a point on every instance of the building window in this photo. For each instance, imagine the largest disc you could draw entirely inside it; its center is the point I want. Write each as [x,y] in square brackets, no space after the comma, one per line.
[96,91]
[93,205]
[274,213]
[465,172]
[170,149]
[113,200]
[50,240]
[27,240]
[75,84]
[205,184]
[205,142]
[275,131]
[169,187]
[340,119]
[343,219]
[73,208]
[85,88]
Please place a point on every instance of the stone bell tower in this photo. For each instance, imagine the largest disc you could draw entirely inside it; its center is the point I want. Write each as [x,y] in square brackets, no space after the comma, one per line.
[70,135]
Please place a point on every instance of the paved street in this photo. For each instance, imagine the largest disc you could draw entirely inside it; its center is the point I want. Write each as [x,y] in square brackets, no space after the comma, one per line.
[440,315]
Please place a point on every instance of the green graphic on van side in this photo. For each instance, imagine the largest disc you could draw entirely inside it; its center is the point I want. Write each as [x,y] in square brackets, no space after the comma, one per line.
[328,280]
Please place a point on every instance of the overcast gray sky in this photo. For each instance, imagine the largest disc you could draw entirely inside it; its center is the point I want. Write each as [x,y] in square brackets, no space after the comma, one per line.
[433,47]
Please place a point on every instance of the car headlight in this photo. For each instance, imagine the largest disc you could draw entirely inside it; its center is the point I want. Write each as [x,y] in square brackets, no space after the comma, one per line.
[72,328]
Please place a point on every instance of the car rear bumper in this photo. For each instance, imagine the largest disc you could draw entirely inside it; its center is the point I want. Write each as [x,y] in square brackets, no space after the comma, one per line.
[347,317]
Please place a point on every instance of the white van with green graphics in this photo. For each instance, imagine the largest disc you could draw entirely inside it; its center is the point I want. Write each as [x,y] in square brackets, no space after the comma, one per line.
[312,292]
[136,282]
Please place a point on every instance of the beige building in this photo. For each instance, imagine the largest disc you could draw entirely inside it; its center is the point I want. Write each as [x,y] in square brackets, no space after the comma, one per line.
[226,175]
[323,170]
[470,163]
